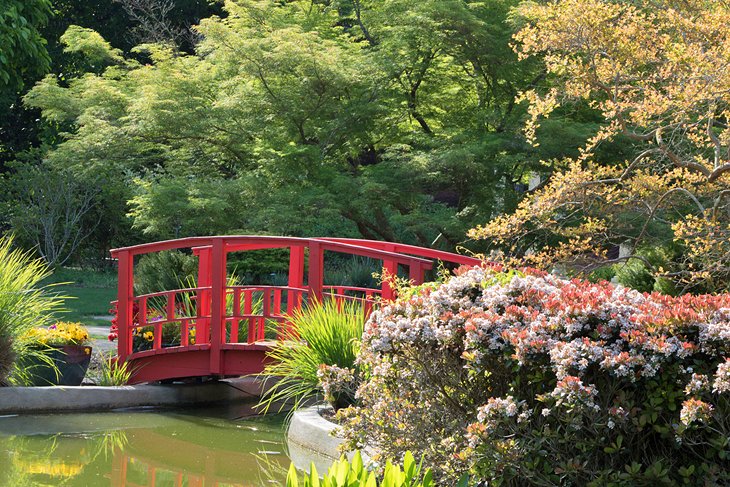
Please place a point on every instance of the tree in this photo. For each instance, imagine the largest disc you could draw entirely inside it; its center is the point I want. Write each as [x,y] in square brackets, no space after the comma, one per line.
[50,209]
[388,120]
[23,59]
[656,73]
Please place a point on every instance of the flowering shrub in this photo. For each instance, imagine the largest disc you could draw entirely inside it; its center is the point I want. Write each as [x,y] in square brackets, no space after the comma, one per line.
[525,375]
[61,333]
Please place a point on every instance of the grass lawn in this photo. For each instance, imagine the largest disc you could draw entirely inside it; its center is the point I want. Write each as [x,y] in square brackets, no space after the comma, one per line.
[89,294]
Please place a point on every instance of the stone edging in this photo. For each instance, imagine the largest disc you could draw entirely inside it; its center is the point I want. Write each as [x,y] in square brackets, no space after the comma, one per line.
[310,430]
[311,439]
[32,400]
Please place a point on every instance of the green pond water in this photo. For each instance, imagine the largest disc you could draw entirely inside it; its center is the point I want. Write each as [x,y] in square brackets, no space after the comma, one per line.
[200,447]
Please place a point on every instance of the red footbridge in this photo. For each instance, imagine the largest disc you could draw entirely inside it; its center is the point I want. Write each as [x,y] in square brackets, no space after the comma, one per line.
[221,328]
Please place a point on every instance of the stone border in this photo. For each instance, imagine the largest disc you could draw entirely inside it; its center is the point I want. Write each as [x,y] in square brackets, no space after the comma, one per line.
[310,439]
[310,430]
[59,399]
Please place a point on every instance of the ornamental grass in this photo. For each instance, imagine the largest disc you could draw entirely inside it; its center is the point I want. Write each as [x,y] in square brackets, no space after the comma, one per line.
[24,304]
[320,344]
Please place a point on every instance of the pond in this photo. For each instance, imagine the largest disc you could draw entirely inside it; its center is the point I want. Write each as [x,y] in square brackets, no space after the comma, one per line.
[225,447]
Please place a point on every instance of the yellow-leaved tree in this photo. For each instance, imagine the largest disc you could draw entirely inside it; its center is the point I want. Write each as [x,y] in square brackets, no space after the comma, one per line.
[659,73]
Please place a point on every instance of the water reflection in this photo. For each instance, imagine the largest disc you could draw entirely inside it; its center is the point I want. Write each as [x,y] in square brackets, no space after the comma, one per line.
[199,448]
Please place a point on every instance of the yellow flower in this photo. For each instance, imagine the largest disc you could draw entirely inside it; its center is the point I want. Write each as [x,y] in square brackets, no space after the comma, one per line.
[61,333]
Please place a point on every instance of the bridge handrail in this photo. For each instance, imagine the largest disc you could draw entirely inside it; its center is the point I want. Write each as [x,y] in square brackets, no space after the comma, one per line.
[231,243]
[408,249]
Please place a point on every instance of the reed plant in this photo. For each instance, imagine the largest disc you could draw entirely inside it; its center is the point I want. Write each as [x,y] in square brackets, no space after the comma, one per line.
[114,373]
[320,334]
[24,304]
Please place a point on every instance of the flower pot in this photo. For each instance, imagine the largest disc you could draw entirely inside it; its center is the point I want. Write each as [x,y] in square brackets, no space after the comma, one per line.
[72,362]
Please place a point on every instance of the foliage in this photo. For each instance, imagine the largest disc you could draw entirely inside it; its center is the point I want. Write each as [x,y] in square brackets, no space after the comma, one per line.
[60,333]
[353,473]
[637,273]
[23,59]
[525,375]
[353,271]
[256,266]
[114,373]
[50,210]
[320,334]
[650,70]
[391,121]
[24,304]
[21,44]
[164,271]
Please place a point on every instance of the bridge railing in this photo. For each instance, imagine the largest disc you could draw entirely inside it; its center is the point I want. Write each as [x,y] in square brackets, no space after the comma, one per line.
[210,315]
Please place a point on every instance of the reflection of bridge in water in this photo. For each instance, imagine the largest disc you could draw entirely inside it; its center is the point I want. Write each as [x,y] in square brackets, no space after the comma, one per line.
[222,326]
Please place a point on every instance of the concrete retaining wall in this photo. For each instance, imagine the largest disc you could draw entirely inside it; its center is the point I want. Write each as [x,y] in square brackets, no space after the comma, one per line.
[311,439]
[32,400]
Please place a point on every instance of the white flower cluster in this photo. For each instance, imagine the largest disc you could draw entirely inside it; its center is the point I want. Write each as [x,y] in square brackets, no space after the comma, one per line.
[544,348]
[697,384]
[571,392]
[694,410]
[498,406]
[722,377]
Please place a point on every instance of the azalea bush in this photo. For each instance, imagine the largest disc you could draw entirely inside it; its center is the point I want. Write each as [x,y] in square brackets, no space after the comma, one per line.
[514,375]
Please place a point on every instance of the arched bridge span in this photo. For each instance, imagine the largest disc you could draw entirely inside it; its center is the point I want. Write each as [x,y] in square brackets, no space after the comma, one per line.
[218,327]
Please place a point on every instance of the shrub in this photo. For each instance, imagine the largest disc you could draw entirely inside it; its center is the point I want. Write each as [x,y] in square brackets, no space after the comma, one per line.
[353,474]
[354,271]
[256,266]
[523,375]
[24,304]
[636,274]
[320,343]
[164,271]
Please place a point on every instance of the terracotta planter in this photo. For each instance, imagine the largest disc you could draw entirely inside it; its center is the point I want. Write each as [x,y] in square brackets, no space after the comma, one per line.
[72,362]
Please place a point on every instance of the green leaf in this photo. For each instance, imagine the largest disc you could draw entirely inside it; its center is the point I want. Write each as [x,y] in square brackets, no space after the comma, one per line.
[313,476]
[357,465]
[292,478]
[409,466]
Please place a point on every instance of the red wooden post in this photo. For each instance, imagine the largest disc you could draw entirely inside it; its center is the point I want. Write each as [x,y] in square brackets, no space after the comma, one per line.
[125,306]
[218,304]
[416,272]
[296,266]
[390,268]
[236,312]
[316,269]
[202,325]
[296,277]
[247,310]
